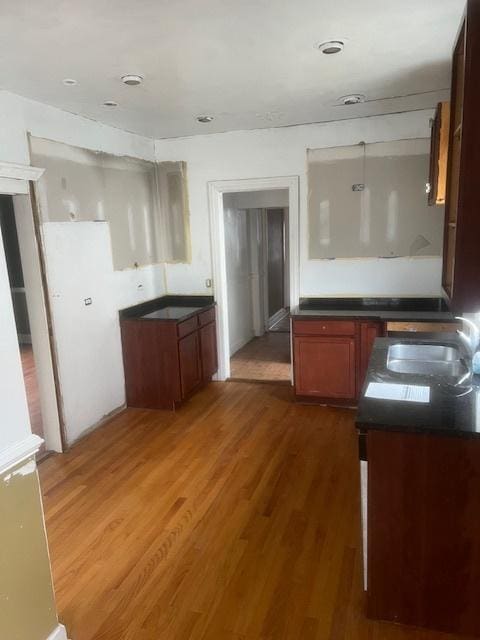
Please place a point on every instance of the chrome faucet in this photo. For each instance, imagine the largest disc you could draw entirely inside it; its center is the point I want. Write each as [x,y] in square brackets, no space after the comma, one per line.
[472,340]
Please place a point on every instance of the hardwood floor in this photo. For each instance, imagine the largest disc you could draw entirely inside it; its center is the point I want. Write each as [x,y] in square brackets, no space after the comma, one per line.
[31,385]
[266,359]
[237,518]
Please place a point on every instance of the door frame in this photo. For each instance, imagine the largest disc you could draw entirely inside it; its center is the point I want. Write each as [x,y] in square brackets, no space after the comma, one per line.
[216,190]
[17,181]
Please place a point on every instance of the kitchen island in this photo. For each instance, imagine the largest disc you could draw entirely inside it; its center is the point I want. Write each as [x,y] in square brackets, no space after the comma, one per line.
[420,478]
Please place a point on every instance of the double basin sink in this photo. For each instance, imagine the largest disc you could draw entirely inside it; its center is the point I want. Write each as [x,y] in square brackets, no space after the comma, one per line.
[427,359]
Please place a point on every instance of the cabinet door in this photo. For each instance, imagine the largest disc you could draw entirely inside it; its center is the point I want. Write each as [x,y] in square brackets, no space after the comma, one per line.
[325,366]
[190,365]
[368,332]
[208,349]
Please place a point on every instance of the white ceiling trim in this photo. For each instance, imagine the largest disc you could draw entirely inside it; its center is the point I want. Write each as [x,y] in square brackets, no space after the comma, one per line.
[20,171]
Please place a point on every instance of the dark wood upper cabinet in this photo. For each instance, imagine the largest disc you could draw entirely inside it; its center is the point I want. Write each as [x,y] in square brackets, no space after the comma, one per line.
[439,154]
[461,256]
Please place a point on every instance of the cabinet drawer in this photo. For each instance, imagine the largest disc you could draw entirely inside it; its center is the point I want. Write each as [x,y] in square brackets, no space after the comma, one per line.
[206,317]
[187,326]
[324,327]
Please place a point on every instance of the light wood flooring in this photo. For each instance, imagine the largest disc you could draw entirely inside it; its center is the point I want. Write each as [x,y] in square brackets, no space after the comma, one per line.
[236,518]
[266,359]
[31,386]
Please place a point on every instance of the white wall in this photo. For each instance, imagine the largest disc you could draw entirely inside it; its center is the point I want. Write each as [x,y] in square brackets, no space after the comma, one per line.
[260,199]
[238,267]
[91,372]
[282,152]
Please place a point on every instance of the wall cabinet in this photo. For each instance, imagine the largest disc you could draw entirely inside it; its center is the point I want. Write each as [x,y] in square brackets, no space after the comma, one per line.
[461,256]
[439,154]
[331,357]
[166,361]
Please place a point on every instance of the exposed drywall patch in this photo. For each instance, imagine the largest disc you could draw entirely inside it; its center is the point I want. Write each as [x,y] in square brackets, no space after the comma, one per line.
[369,200]
[173,230]
[24,470]
[145,204]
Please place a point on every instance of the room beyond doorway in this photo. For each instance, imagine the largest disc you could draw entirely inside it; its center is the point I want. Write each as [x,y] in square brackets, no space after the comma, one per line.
[257,275]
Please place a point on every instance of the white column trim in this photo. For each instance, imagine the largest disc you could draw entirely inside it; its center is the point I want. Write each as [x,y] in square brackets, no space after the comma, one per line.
[20,171]
[19,451]
[59,633]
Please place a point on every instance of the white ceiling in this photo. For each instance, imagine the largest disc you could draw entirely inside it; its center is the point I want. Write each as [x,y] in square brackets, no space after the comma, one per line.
[250,63]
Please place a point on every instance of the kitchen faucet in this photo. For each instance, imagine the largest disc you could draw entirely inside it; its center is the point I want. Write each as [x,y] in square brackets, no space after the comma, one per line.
[472,340]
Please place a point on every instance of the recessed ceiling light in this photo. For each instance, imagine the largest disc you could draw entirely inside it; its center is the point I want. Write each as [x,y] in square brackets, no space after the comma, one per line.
[204,119]
[110,103]
[353,98]
[69,82]
[331,46]
[132,80]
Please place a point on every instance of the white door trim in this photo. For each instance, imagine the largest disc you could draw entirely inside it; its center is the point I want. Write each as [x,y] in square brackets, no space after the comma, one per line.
[216,190]
[19,451]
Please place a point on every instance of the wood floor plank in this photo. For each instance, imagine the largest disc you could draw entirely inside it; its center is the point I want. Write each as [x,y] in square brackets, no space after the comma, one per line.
[235,518]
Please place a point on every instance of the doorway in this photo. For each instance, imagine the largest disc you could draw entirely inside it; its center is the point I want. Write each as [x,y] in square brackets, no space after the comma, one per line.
[256,276]
[17,229]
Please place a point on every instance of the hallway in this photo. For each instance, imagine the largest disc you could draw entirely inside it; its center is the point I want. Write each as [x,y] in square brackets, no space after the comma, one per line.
[266,359]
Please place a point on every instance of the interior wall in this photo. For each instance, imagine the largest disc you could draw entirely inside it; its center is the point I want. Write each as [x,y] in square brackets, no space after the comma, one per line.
[130,286]
[13,400]
[261,199]
[26,592]
[389,217]
[37,312]
[238,268]
[283,152]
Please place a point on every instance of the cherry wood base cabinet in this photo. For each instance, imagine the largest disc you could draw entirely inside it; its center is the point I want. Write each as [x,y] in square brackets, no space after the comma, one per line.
[331,358]
[423,529]
[166,361]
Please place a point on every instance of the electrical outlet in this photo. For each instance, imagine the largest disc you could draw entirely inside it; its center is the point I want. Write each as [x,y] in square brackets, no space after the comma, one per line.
[88,302]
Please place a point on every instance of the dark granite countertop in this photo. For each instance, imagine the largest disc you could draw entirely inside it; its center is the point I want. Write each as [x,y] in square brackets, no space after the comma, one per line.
[170,307]
[452,410]
[395,309]
[172,313]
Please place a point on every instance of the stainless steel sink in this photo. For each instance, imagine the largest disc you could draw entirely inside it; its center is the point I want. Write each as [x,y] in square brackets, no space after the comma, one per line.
[426,359]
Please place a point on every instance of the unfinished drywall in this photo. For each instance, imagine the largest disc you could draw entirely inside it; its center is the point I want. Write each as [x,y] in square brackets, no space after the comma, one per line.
[282,152]
[145,204]
[172,228]
[389,217]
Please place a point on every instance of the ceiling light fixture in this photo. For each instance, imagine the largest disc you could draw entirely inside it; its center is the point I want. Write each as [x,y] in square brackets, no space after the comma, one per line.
[69,82]
[331,46]
[353,98]
[110,103]
[204,119]
[132,80]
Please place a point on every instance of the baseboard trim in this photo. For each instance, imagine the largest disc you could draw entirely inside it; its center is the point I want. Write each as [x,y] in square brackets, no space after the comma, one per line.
[19,451]
[59,633]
